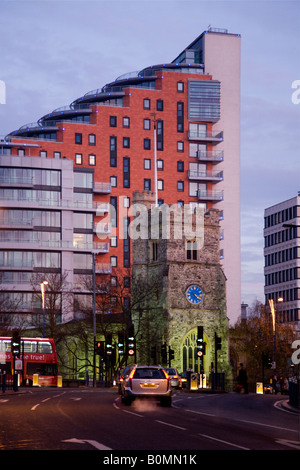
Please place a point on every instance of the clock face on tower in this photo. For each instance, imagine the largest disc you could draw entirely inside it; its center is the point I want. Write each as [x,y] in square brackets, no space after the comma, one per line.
[194,294]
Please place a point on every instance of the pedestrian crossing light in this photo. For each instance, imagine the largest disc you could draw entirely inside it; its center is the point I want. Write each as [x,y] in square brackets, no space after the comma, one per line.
[121,344]
[16,344]
[131,342]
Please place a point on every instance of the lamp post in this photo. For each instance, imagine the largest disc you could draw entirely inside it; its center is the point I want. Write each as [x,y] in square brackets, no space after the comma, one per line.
[43,284]
[273,313]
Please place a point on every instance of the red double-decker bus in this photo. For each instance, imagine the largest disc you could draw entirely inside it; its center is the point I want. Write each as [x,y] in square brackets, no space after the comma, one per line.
[37,356]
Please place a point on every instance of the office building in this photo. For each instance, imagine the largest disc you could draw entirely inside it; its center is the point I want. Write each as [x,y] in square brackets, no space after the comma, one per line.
[282,259]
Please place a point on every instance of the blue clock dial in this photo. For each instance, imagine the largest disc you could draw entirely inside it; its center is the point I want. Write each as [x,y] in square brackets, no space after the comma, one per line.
[194,294]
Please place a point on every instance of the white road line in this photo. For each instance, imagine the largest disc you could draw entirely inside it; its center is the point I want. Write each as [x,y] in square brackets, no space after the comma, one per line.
[35,407]
[223,442]
[267,425]
[172,425]
[200,413]
[132,413]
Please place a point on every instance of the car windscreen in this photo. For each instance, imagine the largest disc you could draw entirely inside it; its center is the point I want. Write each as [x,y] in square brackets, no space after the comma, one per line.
[171,371]
[148,373]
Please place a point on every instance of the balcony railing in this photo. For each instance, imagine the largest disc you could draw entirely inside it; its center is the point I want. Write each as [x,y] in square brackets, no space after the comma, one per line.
[102,268]
[102,187]
[212,156]
[208,136]
[210,195]
[212,176]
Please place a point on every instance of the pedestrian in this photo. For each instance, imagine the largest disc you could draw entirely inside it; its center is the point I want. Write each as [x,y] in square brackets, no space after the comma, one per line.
[242,378]
[285,386]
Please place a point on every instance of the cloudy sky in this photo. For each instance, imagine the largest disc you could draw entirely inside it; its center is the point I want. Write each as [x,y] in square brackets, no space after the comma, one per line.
[54,51]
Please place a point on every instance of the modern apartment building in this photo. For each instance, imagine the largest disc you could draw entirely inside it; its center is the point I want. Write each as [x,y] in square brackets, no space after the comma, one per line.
[282,259]
[183,115]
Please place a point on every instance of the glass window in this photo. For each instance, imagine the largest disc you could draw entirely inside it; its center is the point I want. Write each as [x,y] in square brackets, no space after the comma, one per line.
[92,139]
[147,103]
[114,261]
[160,185]
[180,87]
[147,184]
[56,155]
[147,164]
[147,124]
[180,185]
[78,158]
[126,142]
[147,144]
[92,160]
[113,181]
[180,146]
[160,165]
[113,121]
[126,122]
[159,105]
[180,166]
[78,138]
[45,347]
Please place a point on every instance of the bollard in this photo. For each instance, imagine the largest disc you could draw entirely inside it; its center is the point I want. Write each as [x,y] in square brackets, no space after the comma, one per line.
[35,381]
[59,381]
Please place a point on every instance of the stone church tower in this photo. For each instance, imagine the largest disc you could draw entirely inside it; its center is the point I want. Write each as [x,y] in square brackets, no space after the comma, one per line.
[178,285]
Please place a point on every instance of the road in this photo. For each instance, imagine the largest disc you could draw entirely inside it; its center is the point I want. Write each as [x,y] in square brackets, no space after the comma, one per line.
[95,419]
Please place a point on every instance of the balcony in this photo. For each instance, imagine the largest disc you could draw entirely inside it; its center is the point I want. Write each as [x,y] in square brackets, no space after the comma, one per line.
[206,136]
[209,195]
[102,207]
[102,268]
[211,156]
[210,176]
[101,187]
[102,228]
[100,248]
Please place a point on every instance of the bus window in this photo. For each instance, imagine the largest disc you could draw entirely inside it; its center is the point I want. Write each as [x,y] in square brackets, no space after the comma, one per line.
[30,346]
[6,346]
[45,347]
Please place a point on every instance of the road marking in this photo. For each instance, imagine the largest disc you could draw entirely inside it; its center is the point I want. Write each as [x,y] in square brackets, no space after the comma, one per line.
[172,425]
[285,442]
[75,399]
[200,413]
[267,425]
[223,442]
[46,399]
[35,407]
[4,400]
[95,444]
[132,413]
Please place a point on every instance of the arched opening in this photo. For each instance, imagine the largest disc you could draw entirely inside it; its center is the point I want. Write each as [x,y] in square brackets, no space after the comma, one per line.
[190,360]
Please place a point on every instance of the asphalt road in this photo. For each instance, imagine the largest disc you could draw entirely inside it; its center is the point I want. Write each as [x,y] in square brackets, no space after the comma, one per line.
[95,419]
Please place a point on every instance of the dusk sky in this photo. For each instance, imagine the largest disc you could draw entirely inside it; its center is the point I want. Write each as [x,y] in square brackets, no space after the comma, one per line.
[54,51]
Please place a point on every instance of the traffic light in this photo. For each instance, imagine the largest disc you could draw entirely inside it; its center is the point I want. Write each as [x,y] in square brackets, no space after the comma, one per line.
[108,344]
[171,354]
[131,342]
[200,343]
[267,361]
[16,344]
[100,348]
[218,342]
[121,344]
[164,356]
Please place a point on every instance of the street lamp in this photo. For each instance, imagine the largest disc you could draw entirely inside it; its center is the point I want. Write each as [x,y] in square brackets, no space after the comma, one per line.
[273,313]
[43,284]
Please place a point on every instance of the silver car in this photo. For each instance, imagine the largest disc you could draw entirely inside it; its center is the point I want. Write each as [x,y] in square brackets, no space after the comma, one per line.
[175,377]
[146,382]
